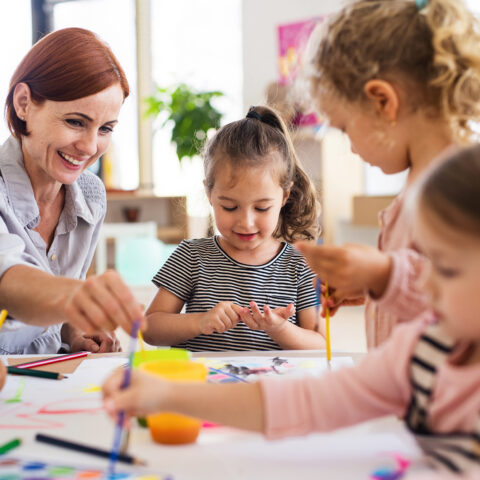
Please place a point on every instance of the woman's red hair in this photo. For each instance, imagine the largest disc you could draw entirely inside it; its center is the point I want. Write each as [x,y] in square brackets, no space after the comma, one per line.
[64,65]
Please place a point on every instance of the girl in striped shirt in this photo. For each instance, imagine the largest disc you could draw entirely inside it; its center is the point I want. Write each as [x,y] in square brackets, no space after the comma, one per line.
[246,288]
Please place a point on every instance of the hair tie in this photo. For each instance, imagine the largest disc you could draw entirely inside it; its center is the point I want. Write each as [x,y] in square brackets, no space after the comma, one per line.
[421,4]
[253,114]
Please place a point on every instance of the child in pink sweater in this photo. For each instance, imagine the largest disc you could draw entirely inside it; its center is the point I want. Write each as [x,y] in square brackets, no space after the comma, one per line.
[401,79]
[428,372]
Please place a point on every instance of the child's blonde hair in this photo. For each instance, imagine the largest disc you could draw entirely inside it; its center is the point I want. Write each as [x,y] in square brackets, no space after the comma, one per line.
[452,191]
[250,142]
[434,51]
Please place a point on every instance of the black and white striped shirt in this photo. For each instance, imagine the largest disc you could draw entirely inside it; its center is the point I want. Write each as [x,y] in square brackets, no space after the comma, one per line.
[201,274]
[455,451]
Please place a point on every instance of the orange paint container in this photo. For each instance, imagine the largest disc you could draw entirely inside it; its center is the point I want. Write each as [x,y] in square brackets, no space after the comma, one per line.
[172,428]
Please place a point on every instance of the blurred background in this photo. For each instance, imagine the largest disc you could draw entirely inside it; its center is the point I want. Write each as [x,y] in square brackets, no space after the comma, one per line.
[203,62]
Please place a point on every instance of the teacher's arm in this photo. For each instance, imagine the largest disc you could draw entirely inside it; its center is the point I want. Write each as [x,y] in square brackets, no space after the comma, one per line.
[101,302]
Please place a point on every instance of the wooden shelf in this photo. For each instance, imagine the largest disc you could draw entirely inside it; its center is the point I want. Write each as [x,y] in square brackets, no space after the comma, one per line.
[169,213]
[170,234]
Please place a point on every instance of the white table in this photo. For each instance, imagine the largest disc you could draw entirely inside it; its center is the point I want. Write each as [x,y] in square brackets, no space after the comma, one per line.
[220,452]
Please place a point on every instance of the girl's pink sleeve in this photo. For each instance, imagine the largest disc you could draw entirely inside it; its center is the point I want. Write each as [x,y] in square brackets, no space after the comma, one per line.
[403,298]
[375,387]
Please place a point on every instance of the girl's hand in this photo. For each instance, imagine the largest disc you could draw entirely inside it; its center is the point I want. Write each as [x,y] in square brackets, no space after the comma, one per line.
[270,320]
[352,270]
[222,317]
[103,302]
[333,302]
[101,342]
[144,395]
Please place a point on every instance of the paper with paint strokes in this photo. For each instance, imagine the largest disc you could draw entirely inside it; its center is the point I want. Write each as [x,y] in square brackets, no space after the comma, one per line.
[238,369]
[15,468]
[30,403]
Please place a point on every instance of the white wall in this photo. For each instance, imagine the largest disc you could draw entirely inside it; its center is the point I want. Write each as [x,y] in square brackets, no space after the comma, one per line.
[342,172]
[259,30]
[16,39]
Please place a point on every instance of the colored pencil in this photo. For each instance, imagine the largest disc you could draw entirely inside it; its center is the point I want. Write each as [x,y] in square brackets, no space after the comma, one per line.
[6,447]
[3,316]
[318,293]
[35,373]
[117,439]
[79,447]
[48,361]
[327,327]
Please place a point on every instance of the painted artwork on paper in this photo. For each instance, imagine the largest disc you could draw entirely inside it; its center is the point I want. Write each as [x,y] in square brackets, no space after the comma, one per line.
[13,468]
[292,42]
[247,369]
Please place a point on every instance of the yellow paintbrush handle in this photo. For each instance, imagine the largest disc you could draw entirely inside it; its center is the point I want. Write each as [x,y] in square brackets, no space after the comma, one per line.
[327,327]
[140,338]
[3,316]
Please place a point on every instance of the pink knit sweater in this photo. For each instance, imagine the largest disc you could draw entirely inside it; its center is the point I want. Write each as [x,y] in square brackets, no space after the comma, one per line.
[377,386]
[402,300]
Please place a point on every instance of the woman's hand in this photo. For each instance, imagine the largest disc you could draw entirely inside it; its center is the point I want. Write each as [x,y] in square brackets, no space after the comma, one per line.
[350,270]
[271,320]
[143,396]
[103,302]
[222,317]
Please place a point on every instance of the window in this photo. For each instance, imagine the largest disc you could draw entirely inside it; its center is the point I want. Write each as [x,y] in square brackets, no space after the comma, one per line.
[197,42]
[16,37]
[473,5]
[114,22]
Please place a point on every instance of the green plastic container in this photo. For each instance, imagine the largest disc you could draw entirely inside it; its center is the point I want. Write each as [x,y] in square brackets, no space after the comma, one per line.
[160,354]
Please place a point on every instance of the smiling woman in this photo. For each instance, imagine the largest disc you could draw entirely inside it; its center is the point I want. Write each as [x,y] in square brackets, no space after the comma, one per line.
[77,141]
[62,106]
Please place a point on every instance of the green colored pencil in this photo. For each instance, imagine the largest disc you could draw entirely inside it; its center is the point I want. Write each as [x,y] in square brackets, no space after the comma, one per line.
[6,447]
[34,373]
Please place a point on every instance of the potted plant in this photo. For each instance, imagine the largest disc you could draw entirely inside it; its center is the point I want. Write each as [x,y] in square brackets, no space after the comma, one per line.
[191,115]
[190,112]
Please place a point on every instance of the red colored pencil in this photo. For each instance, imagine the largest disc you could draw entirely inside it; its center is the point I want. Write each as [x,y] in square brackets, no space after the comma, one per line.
[48,361]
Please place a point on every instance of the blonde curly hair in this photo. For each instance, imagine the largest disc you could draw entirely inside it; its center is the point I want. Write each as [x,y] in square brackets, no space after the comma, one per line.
[434,51]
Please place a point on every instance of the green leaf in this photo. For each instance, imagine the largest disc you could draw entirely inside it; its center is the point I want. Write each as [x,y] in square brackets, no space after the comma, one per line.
[191,113]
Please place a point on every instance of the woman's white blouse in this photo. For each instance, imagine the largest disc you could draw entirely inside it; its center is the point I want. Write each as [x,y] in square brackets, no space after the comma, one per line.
[70,253]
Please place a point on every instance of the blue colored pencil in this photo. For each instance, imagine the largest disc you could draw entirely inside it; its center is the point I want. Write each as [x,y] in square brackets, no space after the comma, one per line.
[318,293]
[327,328]
[121,415]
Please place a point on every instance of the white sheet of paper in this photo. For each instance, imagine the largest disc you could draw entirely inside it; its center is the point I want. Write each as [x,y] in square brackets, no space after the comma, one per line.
[252,368]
